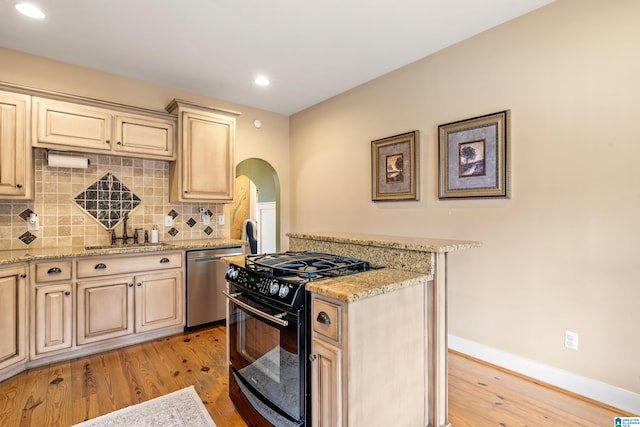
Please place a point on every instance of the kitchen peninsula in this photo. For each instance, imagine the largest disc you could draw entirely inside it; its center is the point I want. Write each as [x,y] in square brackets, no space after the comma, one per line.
[385,355]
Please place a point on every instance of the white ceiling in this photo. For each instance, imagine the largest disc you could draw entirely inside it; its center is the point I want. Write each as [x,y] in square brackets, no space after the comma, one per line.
[309,50]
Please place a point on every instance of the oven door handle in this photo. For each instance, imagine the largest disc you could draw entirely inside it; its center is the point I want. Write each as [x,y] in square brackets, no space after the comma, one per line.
[276,319]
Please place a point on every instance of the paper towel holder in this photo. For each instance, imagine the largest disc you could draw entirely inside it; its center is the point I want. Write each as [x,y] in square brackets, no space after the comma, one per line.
[63,160]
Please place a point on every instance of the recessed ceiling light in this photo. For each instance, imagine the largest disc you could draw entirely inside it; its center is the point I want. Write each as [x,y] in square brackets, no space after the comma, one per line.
[30,10]
[262,81]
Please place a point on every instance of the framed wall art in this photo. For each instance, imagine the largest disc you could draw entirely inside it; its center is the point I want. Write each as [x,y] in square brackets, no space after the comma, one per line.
[474,157]
[394,167]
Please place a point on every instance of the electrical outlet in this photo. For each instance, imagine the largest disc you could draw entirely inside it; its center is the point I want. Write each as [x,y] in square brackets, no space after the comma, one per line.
[168,221]
[220,219]
[571,340]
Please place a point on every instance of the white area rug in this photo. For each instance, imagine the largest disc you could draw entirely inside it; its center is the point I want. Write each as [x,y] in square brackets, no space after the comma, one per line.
[182,408]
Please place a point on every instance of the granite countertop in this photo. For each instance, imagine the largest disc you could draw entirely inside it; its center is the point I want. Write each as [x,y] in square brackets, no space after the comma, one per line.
[31,254]
[420,244]
[355,287]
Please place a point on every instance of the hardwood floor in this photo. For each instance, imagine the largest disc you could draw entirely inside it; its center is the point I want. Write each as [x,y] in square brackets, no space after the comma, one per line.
[69,392]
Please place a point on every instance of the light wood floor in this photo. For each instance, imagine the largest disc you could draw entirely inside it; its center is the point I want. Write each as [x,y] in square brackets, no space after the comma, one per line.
[69,392]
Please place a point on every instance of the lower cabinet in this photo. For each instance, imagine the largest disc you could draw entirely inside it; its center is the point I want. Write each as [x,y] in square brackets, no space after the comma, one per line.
[158,301]
[105,309]
[326,378]
[115,300]
[53,317]
[13,315]
[368,360]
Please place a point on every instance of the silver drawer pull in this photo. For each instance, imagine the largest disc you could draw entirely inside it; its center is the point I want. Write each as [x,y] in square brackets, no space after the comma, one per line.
[164,260]
[276,319]
[54,270]
[100,266]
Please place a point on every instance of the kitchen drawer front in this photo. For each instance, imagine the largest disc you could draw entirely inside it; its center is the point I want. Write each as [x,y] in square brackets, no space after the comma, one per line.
[123,264]
[53,271]
[326,318]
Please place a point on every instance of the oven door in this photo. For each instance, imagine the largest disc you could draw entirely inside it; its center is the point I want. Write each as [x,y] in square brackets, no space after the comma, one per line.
[266,357]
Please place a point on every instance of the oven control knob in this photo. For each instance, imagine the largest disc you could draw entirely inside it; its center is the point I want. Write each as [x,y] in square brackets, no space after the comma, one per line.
[274,287]
[232,273]
[284,291]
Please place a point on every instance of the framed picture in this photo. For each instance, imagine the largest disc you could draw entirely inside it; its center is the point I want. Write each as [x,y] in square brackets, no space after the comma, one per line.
[474,157]
[394,167]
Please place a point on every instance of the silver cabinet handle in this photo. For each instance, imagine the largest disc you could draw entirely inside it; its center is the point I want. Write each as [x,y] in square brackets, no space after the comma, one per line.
[164,260]
[276,319]
[100,266]
[312,357]
[54,270]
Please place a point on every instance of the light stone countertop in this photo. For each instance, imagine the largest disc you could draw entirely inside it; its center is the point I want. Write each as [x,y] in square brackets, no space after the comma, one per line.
[31,254]
[420,244]
[355,287]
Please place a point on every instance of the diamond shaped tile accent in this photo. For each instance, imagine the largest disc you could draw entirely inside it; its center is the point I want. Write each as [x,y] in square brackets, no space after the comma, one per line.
[173,231]
[208,230]
[191,222]
[107,200]
[173,213]
[25,214]
[27,238]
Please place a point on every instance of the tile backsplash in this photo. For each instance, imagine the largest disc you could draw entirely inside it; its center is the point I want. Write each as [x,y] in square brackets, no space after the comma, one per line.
[63,222]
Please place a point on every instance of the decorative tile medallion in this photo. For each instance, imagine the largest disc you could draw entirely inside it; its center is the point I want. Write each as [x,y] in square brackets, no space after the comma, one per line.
[173,231]
[173,213]
[107,200]
[208,230]
[191,222]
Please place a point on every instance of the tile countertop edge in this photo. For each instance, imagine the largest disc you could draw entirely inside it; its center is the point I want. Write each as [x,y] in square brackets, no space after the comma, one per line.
[27,254]
[421,244]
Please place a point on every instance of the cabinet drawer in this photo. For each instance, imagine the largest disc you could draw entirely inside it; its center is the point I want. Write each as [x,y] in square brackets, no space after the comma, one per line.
[326,318]
[53,271]
[123,264]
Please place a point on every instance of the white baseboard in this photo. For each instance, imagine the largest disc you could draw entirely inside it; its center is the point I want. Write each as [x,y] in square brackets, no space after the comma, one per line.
[592,389]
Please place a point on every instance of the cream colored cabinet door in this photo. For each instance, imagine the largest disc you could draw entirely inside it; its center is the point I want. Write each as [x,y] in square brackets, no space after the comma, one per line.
[16,161]
[105,309]
[145,136]
[59,124]
[205,166]
[159,300]
[53,317]
[13,315]
[326,384]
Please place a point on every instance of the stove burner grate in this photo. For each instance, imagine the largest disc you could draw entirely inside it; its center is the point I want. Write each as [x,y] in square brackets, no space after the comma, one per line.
[306,265]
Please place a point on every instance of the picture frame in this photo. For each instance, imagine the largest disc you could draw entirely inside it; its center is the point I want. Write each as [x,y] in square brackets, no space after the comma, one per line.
[474,157]
[394,167]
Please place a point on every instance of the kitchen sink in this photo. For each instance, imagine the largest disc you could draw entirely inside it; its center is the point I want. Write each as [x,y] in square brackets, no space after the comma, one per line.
[120,247]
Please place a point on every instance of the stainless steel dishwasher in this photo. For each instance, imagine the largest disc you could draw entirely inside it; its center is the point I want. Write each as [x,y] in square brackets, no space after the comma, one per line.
[205,282]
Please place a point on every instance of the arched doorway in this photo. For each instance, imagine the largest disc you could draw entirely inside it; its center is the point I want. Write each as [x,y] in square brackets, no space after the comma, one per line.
[257,205]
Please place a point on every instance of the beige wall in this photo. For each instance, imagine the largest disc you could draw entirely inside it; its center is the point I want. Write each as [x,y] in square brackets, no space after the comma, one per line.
[270,142]
[562,253]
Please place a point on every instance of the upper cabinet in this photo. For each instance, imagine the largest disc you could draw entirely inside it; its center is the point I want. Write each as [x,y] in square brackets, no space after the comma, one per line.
[205,163]
[92,129]
[16,162]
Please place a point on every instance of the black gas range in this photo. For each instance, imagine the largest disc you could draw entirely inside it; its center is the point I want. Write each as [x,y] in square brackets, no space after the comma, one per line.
[268,329]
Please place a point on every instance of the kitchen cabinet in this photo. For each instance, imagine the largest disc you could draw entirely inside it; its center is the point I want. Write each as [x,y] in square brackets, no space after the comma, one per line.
[71,126]
[363,354]
[204,169]
[16,160]
[52,307]
[13,315]
[122,295]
